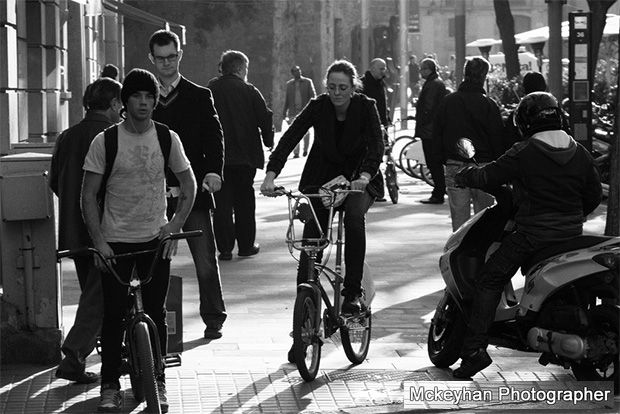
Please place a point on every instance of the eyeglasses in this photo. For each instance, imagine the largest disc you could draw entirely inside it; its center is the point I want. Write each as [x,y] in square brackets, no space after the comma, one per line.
[342,88]
[170,58]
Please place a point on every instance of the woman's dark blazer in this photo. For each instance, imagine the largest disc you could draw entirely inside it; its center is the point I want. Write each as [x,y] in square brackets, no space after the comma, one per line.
[360,149]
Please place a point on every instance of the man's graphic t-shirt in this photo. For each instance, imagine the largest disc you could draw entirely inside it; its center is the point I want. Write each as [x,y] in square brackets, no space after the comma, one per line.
[135,201]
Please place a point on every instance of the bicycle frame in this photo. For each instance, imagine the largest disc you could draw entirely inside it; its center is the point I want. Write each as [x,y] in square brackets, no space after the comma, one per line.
[314,245]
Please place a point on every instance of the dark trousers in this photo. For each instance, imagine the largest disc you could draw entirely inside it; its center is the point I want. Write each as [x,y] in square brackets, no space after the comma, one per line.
[496,272]
[116,303]
[436,169]
[212,308]
[81,339]
[235,198]
[355,207]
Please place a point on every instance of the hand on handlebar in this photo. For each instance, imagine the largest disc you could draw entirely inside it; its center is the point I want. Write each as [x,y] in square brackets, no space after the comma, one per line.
[105,249]
[170,246]
[268,187]
[360,184]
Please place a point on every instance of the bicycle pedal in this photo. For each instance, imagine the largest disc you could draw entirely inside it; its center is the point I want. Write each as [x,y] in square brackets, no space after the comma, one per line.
[172,360]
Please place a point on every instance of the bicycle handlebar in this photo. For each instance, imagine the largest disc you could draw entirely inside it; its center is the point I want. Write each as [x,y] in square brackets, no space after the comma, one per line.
[83,251]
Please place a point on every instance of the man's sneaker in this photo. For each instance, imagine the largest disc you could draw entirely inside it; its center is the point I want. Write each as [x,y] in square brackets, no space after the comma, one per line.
[163,396]
[110,400]
[351,305]
[472,364]
[213,331]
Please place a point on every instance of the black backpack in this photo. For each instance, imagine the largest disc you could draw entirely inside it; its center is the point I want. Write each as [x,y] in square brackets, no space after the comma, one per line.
[110,136]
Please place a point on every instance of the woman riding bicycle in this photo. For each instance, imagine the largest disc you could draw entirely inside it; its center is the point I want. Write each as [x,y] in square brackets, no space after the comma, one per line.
[348,141]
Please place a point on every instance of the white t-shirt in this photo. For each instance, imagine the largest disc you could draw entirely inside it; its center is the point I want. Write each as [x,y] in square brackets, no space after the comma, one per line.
[135,200]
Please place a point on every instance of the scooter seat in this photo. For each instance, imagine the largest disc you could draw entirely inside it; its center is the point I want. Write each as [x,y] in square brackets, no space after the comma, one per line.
[580,242]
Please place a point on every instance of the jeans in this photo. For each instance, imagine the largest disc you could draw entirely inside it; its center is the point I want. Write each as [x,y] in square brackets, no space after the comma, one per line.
[461,199]
[496,272]
[236,197]
[355,207]
[116,303]
[81,339]
[212,308]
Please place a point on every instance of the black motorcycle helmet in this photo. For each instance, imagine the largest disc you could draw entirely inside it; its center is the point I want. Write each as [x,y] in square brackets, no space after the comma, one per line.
[537,111]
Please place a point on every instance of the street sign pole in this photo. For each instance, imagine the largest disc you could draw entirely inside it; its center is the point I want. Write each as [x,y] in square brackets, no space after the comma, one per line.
[579,76]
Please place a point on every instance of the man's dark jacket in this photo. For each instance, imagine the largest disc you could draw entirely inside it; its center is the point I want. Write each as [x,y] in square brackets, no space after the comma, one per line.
[360,149]
[245,119]
[375,89]
[468,113]
[431,95]
[66,177]
[554,187]
[188,110]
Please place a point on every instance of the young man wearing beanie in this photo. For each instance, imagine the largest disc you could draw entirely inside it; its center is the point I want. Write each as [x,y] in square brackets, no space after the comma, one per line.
[134,218]
[188,109]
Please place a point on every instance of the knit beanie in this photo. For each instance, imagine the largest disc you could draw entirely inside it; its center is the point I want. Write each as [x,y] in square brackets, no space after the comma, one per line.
[534,82]
[139,80]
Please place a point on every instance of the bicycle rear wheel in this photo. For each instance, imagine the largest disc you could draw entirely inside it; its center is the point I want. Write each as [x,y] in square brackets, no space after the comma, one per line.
[306,340]
[391,181]
[425,172]
[355,335]
[145,369]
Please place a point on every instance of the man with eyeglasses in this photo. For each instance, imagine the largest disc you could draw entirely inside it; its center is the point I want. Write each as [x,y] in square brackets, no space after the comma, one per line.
[188,109]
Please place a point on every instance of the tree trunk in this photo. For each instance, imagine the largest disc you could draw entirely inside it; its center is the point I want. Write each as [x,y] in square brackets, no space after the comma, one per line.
[284,19]
[612,225]
[506,25]
[599,17]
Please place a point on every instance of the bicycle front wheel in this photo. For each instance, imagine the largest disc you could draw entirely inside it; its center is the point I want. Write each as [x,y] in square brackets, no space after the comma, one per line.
[145,368]
[306,339]
[391,182]
[355,335]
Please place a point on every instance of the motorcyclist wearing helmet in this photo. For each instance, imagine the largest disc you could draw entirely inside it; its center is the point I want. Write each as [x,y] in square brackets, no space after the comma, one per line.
[555,186]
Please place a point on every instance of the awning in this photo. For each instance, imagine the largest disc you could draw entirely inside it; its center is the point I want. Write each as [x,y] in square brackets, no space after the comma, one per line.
[140,15]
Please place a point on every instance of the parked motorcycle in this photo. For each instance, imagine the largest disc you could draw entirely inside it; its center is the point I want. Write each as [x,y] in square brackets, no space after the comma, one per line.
[568,310]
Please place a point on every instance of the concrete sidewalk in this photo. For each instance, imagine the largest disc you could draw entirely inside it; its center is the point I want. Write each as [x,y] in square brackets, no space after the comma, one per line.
[246,370]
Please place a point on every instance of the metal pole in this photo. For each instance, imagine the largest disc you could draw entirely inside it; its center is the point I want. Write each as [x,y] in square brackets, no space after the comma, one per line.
[364,36]
[554,78]
[459,39]
[404,66]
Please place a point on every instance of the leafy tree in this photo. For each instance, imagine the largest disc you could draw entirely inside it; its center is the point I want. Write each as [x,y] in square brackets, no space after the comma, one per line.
[506,25]
[599,17]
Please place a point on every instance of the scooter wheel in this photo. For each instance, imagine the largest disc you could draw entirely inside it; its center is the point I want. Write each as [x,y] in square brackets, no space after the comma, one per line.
[445,335]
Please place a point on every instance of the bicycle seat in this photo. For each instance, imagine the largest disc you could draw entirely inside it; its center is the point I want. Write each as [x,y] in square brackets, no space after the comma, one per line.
[580,242]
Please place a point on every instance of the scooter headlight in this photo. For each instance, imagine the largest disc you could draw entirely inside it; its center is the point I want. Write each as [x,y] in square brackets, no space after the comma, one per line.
[609,260]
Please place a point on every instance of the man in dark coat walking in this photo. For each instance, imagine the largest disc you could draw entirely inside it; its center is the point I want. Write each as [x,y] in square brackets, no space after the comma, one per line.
[187,109]
[373,86]
[431,95]
[245,120]
[468,113]
[102,100]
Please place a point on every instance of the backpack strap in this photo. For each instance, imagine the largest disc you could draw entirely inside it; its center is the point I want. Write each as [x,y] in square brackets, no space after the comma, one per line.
[165,140]
[110,139]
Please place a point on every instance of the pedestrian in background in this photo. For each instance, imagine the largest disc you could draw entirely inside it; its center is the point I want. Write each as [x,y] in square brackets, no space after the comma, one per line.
[103,102]
[431,95]
[109,71]
[299,91]
[532,82]
[349,143]
[468,113]
[414,76]
[188,109]
[133,218]
[245,120]
[373,86]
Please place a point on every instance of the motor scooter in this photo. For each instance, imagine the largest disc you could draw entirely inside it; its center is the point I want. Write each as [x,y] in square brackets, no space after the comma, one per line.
[568,310]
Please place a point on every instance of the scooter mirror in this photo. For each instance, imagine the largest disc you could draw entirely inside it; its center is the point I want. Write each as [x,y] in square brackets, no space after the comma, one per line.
[465,148]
